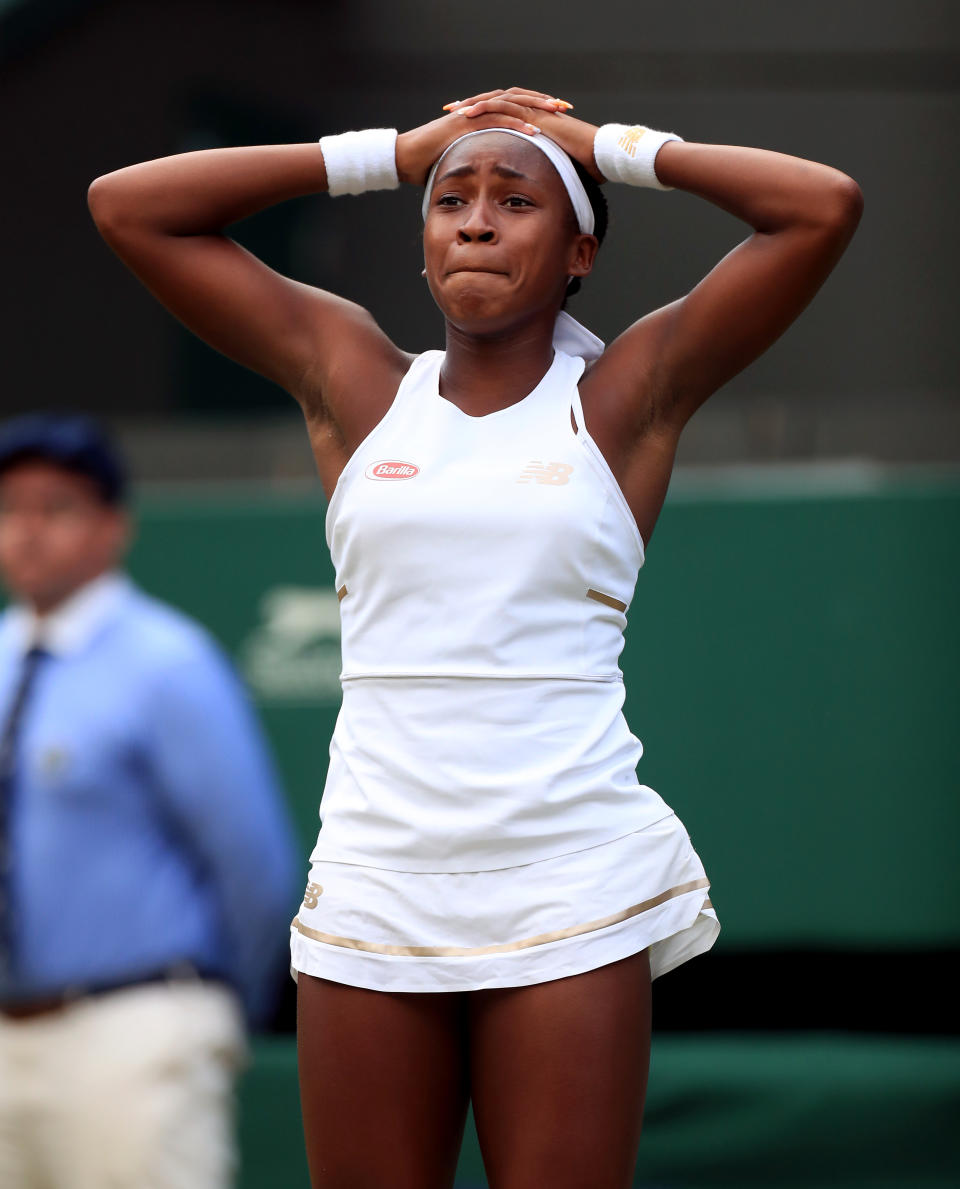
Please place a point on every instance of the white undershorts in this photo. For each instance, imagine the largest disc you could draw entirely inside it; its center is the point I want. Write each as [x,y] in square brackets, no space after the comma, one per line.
[441,931]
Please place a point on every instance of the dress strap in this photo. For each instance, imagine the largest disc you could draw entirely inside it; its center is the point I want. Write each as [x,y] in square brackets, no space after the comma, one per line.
[576,372]
[594,452]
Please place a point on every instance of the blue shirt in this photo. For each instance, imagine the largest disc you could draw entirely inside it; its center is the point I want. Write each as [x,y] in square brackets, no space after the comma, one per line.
[146,824]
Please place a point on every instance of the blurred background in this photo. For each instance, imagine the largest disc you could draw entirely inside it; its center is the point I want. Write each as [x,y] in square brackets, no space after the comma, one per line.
[792,655]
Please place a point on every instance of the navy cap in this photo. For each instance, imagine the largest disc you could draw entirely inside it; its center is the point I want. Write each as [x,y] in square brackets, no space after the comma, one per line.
[74,442]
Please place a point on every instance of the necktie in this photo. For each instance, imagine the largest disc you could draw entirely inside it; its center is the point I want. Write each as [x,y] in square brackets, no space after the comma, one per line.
[8,754]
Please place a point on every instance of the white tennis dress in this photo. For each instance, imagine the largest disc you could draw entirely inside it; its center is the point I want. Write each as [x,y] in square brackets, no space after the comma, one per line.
[482,821]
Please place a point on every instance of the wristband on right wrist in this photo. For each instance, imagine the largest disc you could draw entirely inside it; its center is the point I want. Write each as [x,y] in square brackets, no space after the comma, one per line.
[626,153]
[359,161]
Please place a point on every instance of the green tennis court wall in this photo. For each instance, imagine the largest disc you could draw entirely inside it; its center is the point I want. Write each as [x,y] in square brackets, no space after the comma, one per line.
[791,668]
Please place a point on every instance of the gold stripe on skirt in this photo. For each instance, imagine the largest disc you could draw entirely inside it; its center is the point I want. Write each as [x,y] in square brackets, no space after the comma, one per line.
[459,951]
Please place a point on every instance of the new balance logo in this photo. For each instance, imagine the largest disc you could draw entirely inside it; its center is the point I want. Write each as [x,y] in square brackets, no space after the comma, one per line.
[313,893]
[630,139]
[554,474]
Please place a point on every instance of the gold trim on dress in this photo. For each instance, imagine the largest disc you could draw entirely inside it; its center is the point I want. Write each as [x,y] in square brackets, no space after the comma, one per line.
[459,951]
[340,593]
[607,600]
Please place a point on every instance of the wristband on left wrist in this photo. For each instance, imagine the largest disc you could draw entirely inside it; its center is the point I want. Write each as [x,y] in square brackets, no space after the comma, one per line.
[627,153]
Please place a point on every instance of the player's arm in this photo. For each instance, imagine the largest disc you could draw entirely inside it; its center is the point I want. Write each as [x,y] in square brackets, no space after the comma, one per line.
[165,219]
[803,215]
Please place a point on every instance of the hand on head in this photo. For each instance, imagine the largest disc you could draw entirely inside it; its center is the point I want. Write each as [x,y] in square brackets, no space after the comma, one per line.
[518,108]
[519,102]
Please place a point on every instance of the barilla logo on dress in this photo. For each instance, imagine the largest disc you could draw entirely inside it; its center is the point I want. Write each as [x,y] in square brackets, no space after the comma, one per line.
[391,470]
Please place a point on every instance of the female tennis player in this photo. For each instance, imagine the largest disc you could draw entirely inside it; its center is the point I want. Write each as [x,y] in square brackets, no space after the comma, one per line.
[492,890]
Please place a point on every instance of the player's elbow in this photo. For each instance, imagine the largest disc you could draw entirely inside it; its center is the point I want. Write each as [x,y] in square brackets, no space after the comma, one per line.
[109,204]
[99,198]
[842,203]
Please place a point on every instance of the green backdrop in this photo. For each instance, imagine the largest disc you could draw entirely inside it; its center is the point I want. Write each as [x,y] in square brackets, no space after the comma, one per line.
[790,666]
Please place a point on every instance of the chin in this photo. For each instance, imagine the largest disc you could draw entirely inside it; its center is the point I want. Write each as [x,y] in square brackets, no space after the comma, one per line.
[479,313]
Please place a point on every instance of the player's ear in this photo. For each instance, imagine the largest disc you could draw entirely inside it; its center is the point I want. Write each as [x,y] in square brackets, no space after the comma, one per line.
[584,253]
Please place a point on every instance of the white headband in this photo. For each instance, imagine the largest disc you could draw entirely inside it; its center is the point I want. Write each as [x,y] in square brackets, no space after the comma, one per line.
[568,334]
[558,158]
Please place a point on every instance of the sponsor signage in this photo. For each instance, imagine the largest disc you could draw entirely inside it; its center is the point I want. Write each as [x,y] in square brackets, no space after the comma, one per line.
[389,469]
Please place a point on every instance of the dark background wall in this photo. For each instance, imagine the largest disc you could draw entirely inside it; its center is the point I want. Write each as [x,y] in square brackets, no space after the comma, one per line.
[872,88]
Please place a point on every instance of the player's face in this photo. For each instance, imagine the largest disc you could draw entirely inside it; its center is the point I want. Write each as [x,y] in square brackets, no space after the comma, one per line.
[56,533]
[500,240]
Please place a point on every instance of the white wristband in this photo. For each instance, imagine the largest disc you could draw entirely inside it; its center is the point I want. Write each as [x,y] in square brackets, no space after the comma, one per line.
[359,161]
[626,153]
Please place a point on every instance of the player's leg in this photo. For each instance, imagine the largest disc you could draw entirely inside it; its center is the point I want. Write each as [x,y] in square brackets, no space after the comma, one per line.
[559,1076]
[383,1085]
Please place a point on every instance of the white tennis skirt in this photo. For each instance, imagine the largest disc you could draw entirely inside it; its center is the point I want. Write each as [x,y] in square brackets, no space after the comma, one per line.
[464,931]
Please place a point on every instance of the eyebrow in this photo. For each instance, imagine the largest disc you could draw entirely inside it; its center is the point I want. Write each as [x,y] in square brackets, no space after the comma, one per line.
[462,171]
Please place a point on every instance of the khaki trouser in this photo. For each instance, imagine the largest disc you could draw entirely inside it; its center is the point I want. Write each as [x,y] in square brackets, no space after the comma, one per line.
[132,1089]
